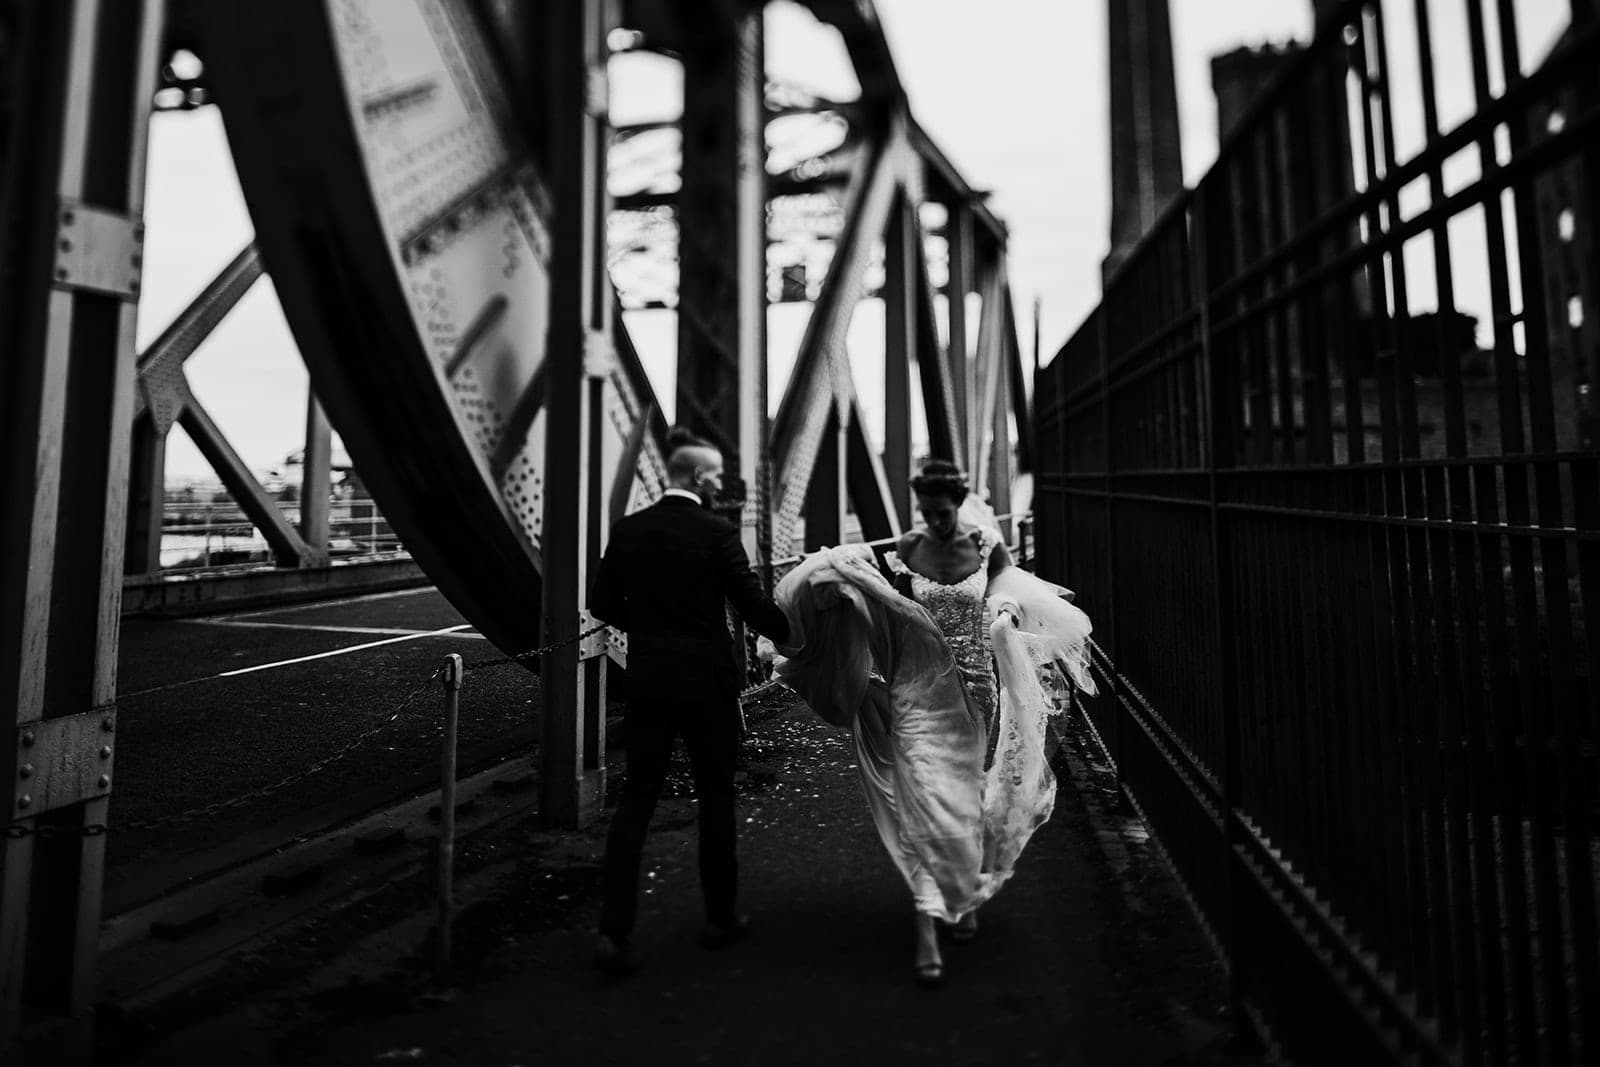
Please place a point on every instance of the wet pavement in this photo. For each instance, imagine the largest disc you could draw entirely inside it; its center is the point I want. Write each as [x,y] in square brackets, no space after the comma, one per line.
[1088,956]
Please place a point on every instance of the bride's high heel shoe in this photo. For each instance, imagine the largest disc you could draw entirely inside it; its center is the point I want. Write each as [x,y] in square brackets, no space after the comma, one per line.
[966,929]
[929,968]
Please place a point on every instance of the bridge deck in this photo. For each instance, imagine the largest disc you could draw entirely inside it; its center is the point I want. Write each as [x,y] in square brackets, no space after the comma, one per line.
[1088,956]
[211,709]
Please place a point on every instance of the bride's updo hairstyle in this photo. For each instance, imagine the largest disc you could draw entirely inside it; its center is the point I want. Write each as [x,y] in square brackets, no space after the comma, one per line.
[940,477]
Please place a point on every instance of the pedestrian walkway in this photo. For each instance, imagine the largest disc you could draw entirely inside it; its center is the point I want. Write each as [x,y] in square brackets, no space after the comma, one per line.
[1088,956]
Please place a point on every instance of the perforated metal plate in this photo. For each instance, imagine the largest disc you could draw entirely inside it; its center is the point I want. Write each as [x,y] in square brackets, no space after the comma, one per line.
[399,213]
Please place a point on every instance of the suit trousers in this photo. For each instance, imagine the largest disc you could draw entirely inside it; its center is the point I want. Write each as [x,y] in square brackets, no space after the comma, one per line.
[710,731]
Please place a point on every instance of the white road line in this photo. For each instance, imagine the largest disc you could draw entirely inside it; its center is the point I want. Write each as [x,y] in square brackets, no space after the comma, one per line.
[370,630]
[450,631]
[330,603]
[342,651]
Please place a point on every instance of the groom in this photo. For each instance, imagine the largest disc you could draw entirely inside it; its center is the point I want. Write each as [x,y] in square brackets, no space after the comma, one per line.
[667,575]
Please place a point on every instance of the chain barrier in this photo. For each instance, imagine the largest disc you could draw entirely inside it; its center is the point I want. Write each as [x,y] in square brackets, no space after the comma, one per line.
[533,653]
[16,830]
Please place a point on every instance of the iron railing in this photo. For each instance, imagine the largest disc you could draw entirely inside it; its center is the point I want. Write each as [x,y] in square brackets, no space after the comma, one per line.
[1322,466]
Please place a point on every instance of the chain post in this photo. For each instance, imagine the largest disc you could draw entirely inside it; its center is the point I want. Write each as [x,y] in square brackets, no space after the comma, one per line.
[454,674]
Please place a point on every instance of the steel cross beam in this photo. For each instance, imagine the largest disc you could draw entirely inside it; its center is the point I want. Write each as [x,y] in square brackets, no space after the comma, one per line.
[821,376]
[162,394]
[818,423]
[164,397]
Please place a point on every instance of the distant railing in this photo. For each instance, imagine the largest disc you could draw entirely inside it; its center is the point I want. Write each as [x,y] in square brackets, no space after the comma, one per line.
[1322,466]
[212,534]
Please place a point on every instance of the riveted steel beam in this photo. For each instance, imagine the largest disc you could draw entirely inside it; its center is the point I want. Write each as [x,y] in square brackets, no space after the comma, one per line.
[989,369]
[77,78]
[940,405]
[577,365]
[902,341]
[822,367]
[160,397]
[1016,386]
[161,364]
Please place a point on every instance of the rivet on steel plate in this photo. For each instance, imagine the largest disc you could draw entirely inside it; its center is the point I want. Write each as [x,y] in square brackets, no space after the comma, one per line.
[27,739]
[105,753]
[108,724]
[25,771]
[105,781]
[25,801]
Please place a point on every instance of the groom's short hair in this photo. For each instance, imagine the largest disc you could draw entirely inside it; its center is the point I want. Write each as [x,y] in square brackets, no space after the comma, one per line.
[685,451]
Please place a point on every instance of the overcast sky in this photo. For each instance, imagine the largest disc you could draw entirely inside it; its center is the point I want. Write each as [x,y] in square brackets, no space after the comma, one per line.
[1013,90]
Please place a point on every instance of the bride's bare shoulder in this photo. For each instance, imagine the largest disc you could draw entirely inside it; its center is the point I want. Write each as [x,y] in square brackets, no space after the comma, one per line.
[909,540]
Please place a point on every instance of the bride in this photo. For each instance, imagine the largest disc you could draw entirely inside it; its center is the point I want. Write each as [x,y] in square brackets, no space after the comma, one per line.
[946,670]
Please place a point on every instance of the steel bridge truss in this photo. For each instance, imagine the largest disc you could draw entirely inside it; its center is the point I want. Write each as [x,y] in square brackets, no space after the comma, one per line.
[450,378]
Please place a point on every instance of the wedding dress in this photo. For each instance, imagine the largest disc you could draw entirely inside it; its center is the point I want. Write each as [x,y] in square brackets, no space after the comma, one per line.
[921,681]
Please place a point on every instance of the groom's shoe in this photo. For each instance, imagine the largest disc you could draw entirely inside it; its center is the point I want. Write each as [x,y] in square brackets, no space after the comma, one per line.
[615,956]
[723,934]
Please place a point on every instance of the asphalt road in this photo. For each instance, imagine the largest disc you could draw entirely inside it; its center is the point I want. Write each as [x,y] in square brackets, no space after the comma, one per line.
[215,709]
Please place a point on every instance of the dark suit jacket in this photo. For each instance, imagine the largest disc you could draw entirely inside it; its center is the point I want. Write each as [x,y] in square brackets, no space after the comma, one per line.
[667,575]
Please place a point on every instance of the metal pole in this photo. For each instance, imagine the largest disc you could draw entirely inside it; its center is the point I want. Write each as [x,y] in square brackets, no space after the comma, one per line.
[315,479]
[453,674]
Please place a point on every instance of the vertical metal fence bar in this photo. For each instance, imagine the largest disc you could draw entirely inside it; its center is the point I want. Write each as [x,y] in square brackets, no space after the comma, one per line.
[1449,495]
[1350,332]
[1274,169]
[1216,381]
[1586,508]
[1248,243]
[1565,799]
[1446,844]
[1385,496]
[1113,738]
[1523,730]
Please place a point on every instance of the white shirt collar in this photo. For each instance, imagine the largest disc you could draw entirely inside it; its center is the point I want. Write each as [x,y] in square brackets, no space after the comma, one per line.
[675,491]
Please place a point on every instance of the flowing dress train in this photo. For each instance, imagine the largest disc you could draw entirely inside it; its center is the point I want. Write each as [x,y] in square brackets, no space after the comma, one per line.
[922,682]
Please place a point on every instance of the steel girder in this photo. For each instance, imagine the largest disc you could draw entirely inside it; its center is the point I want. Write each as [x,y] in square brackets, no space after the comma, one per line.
[72,145]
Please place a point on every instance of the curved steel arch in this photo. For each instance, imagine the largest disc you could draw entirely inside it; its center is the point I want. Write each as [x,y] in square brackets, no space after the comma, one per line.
[400,212]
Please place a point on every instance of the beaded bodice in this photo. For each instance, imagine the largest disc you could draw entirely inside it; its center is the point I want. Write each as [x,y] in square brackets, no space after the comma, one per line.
[961,611]
[958,608]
